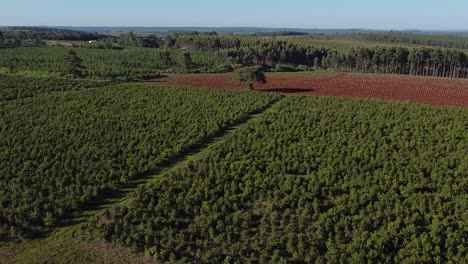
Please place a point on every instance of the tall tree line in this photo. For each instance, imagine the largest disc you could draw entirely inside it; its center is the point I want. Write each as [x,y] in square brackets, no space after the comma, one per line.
[249,51]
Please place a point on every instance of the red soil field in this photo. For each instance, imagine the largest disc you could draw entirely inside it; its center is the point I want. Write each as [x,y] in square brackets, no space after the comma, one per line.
[425,90]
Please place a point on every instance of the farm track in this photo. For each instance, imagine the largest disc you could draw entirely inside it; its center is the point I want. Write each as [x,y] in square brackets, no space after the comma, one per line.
[124,192]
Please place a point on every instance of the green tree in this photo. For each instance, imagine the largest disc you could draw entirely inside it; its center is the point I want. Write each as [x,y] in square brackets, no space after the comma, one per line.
[316,63]
[249,76]
[2,39]
[169,42]
[74,64]
[186,62]
[165,58]
[13,65]
[128,40]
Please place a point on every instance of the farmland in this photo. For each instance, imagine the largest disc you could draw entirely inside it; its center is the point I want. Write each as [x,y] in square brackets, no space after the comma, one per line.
[434,91]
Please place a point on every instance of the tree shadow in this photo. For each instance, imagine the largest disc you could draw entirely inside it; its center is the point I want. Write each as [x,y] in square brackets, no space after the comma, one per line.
[159,80]
[288,90]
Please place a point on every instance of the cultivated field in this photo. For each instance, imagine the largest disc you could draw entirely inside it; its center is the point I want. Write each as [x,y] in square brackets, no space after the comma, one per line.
[425,90]
[323,166]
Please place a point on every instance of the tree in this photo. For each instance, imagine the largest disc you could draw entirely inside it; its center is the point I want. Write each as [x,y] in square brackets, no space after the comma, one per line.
[74,64]
[316,63]
[128,40]
[249,76]
[169,42]
[2,39]
[12,65]
[165,58]
[186,61]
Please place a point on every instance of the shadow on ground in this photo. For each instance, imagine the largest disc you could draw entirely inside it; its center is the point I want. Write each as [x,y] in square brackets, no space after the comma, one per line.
[288,90]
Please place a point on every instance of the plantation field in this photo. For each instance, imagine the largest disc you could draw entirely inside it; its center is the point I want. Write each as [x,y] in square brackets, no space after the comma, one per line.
[346,42]
[133,62]
[59,151]
[314,179]
[16,87]
[425,90]
[93,171]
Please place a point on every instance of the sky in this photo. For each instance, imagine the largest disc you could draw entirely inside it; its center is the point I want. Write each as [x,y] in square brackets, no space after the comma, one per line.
[368,14]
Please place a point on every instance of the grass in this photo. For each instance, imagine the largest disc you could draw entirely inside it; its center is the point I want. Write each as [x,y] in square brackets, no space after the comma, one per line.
[66,43]
[31,73]
[68,246]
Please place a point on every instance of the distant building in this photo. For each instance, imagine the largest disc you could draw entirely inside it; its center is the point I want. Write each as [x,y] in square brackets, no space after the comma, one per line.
[92,41]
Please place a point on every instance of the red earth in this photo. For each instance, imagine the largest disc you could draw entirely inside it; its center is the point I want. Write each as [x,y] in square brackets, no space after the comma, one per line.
[425,90]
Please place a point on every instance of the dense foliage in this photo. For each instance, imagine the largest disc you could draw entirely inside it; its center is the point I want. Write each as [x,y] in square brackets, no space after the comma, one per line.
[420,61]
[59,151]
[15,87]
[36,37]
[314,180]
[249,76]
[132,62]
[49,33]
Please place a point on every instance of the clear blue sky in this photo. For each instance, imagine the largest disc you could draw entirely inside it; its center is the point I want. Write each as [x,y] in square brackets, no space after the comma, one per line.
[373,14]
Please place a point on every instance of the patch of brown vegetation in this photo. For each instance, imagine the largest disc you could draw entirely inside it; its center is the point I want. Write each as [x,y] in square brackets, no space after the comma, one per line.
[118,253]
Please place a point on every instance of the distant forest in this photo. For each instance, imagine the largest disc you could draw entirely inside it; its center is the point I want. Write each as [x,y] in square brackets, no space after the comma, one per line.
[428,40]
[225,53]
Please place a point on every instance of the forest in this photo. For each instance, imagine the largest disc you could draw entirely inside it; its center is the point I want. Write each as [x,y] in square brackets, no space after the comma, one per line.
[314,180]
[37,37]
[418,61]
[62,150]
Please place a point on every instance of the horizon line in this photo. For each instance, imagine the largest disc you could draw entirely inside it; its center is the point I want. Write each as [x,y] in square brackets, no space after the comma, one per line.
[258,27]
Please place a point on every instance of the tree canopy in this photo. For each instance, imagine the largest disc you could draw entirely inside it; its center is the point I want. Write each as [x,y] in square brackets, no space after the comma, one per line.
[74,64]
[249,76]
